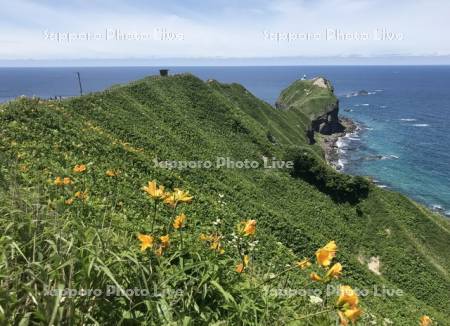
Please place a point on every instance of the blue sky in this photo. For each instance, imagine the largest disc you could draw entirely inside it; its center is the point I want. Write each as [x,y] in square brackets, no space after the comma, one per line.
[39,30]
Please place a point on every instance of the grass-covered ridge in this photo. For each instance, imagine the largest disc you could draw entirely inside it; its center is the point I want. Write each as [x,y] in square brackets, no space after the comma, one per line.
[312,98]
[92,243]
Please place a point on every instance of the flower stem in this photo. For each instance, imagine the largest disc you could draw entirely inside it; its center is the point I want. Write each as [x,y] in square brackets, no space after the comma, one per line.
[313,314]
[278,275]
[154,216]
[181,239]
[174,213]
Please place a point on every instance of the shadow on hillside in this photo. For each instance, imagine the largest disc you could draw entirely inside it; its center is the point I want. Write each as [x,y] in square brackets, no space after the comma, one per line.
[340,187]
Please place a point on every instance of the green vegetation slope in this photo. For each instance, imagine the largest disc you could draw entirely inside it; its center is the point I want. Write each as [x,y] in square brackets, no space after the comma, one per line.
[46,244]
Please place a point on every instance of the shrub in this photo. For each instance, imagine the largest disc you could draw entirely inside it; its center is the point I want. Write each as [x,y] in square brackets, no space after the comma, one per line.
[340,187]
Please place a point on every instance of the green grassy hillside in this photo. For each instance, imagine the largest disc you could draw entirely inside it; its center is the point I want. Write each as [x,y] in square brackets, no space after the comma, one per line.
[53,238]
[312,99]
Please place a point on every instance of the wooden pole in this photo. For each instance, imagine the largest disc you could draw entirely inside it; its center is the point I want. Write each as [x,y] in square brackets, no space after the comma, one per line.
[79,83]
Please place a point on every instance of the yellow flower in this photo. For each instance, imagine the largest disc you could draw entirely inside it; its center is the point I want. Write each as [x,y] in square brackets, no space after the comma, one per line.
[353,314]
[214,241]
[69,201]
[112,173]
[159,251]
[347,296]
[216,245]
[342,319]
[146,241]
[250,227]
[179,221]
[326,254]
[157,193]
[335,271]
[315,277]
[425,321]
[67,181]
[79,168]
[204,237]
[241,266]
[303,264]
[81,195]
[58,181]
[177,196]
[165,241]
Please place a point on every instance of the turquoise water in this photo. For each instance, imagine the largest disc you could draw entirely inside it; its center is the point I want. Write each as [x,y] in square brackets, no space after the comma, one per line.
[404,142]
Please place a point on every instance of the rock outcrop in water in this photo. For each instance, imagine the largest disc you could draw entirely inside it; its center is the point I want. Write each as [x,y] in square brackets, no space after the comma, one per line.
[316,100]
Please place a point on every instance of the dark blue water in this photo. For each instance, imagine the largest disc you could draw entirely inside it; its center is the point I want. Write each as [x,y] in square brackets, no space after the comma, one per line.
[405,140]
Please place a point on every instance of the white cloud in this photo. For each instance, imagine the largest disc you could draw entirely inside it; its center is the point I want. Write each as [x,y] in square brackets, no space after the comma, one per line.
[423,25]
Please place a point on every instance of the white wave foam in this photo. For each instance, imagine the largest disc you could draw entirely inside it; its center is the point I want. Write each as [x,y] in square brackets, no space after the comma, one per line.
[408,119]
[389,157]
[365,104]
[340,143]
[421,125]
[341,164]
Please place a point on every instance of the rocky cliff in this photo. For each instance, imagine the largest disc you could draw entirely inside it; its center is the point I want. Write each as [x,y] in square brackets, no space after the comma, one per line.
[315,99]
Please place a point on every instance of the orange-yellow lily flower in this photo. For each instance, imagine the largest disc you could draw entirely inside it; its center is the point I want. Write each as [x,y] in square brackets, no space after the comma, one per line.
[315,277]
[179,221]
[79,168]
[335,271]
[353,314]
[69,201]
[216,244]
[111,173]
[343,321]
[326,254]
[165,241]
[81,195]
[154,191]
[58,181]
[425,321]
[304,264]
[347,296]
[250,227]
[67,181]
[177,196]
[146,241]
[242,265]
[205,237]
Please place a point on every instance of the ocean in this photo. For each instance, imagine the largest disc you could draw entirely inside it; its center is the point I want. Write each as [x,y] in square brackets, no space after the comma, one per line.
[403,113]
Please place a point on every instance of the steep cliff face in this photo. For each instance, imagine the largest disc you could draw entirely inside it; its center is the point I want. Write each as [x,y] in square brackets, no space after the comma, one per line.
[314,99]
[328,123]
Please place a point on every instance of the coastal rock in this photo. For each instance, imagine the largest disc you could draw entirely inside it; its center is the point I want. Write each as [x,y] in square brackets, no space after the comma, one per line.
[314,101]
[329,122]
[314,98]
[363,93]
[322,83]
